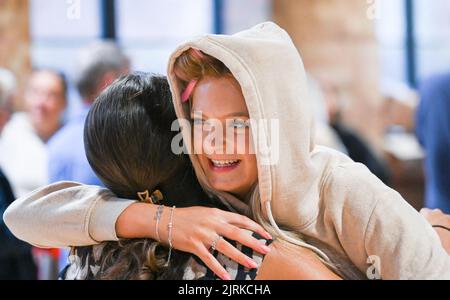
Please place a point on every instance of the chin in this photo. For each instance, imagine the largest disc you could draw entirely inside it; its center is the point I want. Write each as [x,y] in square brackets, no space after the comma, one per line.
[224,187]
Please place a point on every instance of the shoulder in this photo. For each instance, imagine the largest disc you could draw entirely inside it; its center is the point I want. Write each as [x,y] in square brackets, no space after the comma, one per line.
[440,81]
[350,195]
[348,180]
[19,119]
[67,133]
[17,126]
[63,142]
[290,262]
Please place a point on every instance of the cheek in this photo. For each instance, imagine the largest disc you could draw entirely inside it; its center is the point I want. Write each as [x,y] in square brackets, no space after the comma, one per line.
[242,143]
[197,140]
[55,106]
[251,167]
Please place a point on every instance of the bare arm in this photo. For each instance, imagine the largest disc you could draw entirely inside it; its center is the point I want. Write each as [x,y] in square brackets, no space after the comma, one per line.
[286,262]
[440,223]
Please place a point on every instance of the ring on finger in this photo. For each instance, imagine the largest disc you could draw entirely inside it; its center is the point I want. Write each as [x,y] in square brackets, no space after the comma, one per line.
[214,243]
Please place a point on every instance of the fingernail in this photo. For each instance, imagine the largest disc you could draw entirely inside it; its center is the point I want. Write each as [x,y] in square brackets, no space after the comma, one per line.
[265,249]
[252,264]
[268,236]
[226,276]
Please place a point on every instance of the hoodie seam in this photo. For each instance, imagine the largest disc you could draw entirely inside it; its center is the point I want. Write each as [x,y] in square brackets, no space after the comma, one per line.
[87,217]
[369,222]
[325,181]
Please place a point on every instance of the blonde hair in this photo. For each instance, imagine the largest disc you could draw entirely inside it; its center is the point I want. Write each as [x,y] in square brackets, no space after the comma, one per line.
[195,65]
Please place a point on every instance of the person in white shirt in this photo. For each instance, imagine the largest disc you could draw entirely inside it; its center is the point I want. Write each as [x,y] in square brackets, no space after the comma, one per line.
[23,151]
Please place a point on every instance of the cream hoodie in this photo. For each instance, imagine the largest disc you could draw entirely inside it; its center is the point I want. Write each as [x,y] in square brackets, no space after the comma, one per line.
[313,190]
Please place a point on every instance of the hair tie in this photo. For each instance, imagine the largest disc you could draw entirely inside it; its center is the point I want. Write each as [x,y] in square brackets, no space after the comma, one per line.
[156,197]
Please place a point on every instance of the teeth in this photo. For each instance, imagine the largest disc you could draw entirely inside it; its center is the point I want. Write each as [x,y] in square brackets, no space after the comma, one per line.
[224,163]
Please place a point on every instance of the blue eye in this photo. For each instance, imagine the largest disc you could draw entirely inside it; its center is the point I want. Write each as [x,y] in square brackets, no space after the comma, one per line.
[239,124]
[197,122]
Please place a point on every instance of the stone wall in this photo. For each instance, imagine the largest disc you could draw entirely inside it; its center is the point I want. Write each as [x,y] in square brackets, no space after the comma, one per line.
[336,39]
[15,40]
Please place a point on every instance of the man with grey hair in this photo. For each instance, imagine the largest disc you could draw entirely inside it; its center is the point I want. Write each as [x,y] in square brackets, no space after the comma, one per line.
[98,66]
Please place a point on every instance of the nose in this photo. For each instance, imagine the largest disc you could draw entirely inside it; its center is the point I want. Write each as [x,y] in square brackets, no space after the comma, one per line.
[214,142]
[219,140]
[40,102]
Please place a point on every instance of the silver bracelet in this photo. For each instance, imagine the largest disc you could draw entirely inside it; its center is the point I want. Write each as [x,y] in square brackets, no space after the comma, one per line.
[158,215]
[170,228]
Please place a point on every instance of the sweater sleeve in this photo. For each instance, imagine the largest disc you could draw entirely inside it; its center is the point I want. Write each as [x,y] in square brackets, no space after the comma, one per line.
[379,231]
[65,214]
[404,243]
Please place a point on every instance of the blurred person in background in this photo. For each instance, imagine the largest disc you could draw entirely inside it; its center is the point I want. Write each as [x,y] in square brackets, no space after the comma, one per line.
[16,261]
[23,148]
[7,90]
[433,132]
[99,65]
[357,148]
[324,133]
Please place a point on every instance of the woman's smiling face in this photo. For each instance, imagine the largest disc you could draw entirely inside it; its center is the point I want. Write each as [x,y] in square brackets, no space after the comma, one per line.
[221,134]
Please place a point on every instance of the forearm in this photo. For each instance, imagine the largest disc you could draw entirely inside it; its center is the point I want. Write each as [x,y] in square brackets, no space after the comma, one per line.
[138,221]
[65,214]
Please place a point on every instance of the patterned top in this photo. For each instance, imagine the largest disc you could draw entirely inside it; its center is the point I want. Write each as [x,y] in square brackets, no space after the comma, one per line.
[84,264]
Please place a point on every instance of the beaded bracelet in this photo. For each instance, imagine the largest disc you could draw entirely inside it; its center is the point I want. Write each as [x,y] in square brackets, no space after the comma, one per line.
[158,215]
[170,228]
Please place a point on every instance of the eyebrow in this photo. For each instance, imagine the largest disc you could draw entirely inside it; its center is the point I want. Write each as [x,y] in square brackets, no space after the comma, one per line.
[236,114]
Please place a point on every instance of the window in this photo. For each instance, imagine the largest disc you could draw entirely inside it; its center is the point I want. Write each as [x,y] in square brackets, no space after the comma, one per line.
[58,29]
[149,30]
[432,36]
[390,31]
[430,46]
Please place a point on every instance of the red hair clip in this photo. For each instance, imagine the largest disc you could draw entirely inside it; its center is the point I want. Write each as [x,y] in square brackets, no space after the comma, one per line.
[197,53]
[188,91]
[191,85]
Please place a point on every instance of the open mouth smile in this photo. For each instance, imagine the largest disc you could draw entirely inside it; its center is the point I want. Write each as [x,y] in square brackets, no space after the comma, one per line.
[224,165]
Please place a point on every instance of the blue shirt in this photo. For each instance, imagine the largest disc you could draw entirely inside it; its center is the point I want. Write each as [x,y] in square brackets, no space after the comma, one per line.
[67,158]
[433,131]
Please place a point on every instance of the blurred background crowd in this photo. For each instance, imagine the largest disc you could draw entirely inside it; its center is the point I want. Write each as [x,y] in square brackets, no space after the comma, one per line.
[379,74]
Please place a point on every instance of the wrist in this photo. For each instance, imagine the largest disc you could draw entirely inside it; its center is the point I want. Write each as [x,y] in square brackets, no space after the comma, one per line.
[163,226]
[137,221]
